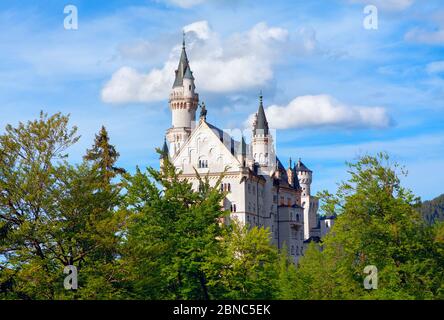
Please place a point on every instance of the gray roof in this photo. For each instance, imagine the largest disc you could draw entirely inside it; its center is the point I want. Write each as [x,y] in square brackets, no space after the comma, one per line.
[183,69]
[188,74]
[300,167]
[261,121]
[165,150]
[243,147]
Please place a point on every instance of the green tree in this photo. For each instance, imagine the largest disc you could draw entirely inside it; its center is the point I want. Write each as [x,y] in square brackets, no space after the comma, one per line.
[247,266]
[180,244]
[377,224]
[104,155]
[52,214]
[173,232]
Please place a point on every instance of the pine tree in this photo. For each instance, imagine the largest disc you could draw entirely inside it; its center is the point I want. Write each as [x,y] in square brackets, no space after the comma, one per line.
[104,155]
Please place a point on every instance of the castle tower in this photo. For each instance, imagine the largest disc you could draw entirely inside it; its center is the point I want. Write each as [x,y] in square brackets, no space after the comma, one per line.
[262,143]
[183,104]
[305,177]
[308,202]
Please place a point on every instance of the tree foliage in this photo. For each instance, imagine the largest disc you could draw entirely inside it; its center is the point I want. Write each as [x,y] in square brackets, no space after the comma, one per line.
[52,214]
[377,224]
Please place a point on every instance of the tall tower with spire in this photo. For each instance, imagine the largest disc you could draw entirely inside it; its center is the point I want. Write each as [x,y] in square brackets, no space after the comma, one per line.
[183,104]
[262,142]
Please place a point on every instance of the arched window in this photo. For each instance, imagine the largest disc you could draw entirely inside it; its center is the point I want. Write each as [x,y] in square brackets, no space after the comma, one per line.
[292,250]
[297,251]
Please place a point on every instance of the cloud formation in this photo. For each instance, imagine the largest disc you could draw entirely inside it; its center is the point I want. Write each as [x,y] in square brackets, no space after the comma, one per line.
[323,111]
[242,61]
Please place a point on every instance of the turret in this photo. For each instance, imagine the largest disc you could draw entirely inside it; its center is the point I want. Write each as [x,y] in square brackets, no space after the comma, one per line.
[262,144]
[183,104]
[305,177]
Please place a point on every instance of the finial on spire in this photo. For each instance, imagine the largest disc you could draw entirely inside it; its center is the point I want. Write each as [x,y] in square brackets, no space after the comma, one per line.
[261,97]
[183,41]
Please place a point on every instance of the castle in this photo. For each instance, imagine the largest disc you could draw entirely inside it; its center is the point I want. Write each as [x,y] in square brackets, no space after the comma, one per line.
[260,190]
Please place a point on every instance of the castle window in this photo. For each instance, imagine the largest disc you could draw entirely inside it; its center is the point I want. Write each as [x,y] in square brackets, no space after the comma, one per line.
[189,87]
[292,250]
[297,250]
[203,163]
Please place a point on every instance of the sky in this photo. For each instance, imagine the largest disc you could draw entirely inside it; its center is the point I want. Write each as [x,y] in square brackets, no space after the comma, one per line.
[336,84]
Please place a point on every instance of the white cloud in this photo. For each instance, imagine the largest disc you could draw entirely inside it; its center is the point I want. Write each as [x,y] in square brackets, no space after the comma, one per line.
[200,28]
[424,36]
[394,5]
[435,67]
[321,111]
[240,62]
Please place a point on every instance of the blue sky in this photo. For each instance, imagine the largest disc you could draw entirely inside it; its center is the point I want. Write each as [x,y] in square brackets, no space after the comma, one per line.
[333,89]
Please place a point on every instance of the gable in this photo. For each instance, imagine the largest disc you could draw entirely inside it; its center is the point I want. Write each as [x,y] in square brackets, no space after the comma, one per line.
[206,144]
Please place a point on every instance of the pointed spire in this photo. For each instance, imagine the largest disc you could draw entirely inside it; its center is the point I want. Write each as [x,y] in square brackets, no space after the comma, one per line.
[290,163]
[183,66]
[243,146]
[301,167]
[165,150]
[261,123]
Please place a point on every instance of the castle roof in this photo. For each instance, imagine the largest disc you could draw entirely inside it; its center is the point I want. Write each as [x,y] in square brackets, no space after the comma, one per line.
[300,167]
[165,150]
[261,120]
[183,70]
[188,74]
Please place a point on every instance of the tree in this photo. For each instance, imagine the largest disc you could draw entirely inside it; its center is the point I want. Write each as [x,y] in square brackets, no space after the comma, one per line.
[104,156]
[52,214]
[173,232]
[377,224]
[247,266]
[181,246]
